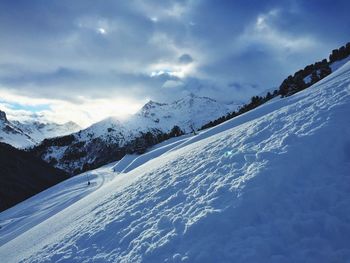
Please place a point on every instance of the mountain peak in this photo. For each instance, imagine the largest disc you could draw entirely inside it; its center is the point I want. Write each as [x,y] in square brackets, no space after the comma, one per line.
[28,132]
[3,116]
[149,106]
[152,103]
[191,98]
[72,124]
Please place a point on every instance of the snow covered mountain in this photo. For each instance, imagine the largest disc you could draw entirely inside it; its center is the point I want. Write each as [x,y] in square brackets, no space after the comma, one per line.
[110,139]
[40,130]
[271,185]
[28,133]
[188,113]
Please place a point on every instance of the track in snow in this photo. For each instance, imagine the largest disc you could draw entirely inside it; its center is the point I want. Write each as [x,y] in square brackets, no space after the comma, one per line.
[38,208]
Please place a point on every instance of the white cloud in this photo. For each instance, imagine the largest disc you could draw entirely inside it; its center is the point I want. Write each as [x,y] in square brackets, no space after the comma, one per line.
[166,11]
[177,10]
[171,84]
[178,70]
[102,31]
[97,24]
[154,19]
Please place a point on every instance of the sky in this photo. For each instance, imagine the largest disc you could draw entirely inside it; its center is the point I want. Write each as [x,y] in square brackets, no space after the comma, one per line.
[85,60]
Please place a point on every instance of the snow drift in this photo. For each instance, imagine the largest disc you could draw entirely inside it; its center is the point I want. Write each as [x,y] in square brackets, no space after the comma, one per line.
[272,185]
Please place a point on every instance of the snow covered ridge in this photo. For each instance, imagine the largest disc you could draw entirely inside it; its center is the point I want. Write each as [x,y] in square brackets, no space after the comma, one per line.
[29,133]
[271,185]
[11,134]
[110,139]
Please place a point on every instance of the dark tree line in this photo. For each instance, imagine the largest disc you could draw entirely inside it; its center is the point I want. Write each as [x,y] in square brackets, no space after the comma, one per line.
[291,85]
[296,83]
[103,151]
[255,101]
[148,139]
[340,53]
[315,72]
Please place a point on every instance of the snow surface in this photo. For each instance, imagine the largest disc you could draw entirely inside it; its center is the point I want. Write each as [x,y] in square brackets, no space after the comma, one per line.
[31,132]
[272,185]
[39,131]
[308,78]
[130,162]
[16,138]
[34,210]
[337,64]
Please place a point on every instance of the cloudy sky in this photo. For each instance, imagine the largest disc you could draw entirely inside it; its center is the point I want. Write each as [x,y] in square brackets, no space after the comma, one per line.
[84,60]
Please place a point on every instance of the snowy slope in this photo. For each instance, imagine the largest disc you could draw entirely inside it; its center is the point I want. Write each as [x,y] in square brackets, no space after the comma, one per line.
[273,189]
[29,133]
[11,134]
[38,208]
[337,64]
[130,162]
[110,139]
[43,130]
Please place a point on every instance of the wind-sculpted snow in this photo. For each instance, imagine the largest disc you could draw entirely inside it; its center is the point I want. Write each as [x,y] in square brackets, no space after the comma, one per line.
[273,189]
[130,162]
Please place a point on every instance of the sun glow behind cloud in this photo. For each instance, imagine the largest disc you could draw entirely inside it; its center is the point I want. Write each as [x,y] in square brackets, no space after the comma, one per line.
[102,31]
[87,112]
[181,69]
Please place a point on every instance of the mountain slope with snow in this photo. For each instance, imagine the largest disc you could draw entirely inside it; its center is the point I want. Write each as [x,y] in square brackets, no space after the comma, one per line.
[273,188]
[23,134]
[40,130]
[110,139]
[12,135]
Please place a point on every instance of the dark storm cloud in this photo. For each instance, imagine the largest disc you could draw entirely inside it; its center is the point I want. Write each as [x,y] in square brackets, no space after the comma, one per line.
[61,48]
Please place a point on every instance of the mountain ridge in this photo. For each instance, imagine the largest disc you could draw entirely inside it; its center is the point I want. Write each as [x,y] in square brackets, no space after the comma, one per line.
[110,139]
[24,134]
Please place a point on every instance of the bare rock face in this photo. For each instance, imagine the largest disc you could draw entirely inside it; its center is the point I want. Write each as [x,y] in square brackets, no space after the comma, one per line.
[3,117]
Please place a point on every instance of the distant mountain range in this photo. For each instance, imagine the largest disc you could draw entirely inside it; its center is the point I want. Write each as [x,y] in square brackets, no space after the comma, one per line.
[23,134]
[110,139]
